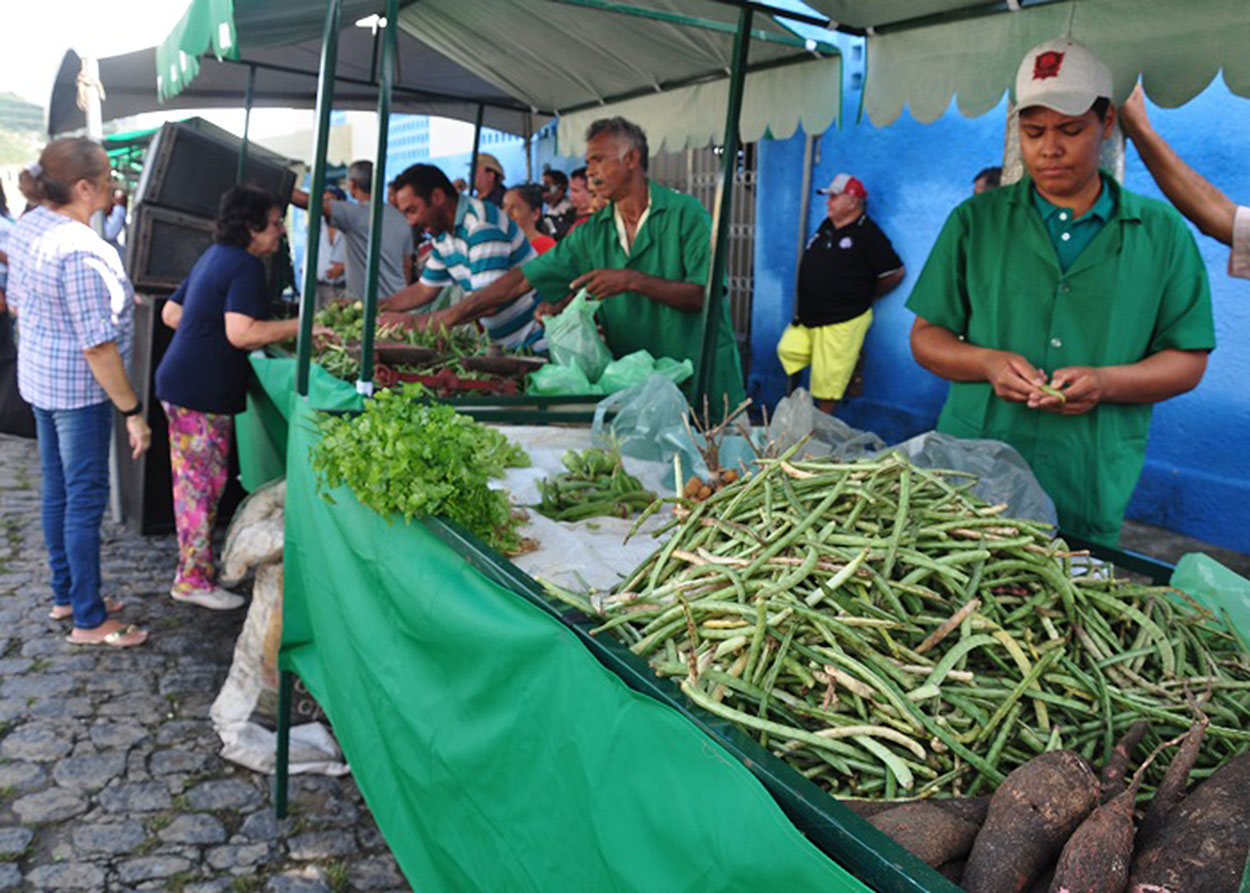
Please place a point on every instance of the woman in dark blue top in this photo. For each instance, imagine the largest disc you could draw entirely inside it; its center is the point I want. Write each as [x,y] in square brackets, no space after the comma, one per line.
[218,315]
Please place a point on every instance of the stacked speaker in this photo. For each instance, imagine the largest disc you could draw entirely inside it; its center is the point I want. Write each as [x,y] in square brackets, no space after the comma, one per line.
[188,167]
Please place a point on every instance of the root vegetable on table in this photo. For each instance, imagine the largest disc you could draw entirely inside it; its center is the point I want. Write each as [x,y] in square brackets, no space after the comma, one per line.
[1031,816]
[1114,776]
[930,833]
[1203,843]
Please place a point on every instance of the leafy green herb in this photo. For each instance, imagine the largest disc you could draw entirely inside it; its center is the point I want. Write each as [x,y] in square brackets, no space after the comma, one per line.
[403,455]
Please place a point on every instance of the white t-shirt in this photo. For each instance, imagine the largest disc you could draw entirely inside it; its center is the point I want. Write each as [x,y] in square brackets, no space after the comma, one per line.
[1239,257]
[331,253]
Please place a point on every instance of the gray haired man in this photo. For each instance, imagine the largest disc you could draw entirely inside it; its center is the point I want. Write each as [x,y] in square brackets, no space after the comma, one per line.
[353,219]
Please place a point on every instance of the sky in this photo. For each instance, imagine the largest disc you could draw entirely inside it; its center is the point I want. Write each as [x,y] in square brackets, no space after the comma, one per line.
[32,42]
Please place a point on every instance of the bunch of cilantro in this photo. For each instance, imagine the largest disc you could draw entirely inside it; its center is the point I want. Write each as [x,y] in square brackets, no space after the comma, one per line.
[415,458]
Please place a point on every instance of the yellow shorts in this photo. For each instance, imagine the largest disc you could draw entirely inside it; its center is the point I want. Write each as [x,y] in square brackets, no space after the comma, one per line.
[831,351]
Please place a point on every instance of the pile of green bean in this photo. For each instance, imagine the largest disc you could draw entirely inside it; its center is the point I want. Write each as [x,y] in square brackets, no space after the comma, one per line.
[890,635]
[594,483]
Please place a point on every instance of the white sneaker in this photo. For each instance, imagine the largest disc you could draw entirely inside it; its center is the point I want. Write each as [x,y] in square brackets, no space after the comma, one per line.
[215,599]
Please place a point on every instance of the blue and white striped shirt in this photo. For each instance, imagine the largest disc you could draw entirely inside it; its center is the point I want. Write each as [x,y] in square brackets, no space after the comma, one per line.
[483,245]
[70,293]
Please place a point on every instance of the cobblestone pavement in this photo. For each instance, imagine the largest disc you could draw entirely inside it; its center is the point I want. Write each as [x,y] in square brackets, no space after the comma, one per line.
[109,773]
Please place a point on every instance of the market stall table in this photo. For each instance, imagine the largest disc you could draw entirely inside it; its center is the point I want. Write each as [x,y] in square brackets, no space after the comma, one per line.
[497,746]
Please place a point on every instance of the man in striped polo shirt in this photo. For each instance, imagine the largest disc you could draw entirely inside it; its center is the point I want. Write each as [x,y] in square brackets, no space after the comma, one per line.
[474,244]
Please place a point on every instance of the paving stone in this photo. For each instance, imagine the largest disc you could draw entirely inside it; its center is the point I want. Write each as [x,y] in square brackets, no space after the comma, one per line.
[232,856]
[43,647]
[104,750]
[167,762]
[224,793]
[136,705]
[14,840]
[39,686]
[149,867]
[145,796]
[261,825]
[120,735]
[180,730]
[191,681]
[377,873]
[51,805]
[67,876]
[293,883]
[196,828]
[13,709]
[319,845]
[111,840]
[118,684]
[58,708]
[36,741]
[22,776]
[371,838]
[70,663]
[89,773]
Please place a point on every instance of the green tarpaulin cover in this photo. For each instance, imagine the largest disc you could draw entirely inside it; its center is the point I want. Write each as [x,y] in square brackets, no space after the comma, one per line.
[261,432]
[494,751]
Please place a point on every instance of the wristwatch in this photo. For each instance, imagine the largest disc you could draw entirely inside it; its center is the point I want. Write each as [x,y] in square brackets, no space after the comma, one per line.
[127,413]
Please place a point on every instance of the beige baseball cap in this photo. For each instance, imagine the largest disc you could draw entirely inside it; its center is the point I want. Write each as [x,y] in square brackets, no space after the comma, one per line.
[1063,76]
[490,162]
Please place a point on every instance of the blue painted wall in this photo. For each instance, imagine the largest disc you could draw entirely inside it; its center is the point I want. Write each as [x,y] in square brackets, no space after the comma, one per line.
[1195,479]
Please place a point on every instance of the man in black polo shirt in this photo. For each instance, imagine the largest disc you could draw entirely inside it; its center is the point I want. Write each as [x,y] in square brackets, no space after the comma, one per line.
[845,267]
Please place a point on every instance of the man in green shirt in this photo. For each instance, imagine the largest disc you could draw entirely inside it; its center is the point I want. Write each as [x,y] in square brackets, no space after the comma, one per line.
[1068,272]
[645,255]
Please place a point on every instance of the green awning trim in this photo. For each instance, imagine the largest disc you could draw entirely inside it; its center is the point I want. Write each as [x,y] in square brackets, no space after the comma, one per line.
[971,56]
[227,27]
[206,24]
[694,116]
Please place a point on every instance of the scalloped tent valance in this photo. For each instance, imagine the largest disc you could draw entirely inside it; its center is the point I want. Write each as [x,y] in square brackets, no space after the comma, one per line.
[923,53]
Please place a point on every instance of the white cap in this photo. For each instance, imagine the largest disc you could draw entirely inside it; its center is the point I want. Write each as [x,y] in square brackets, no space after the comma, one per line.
[845,183]
[1063,76]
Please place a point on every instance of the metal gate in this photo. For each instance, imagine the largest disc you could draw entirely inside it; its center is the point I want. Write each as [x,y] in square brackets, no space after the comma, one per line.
[694,171]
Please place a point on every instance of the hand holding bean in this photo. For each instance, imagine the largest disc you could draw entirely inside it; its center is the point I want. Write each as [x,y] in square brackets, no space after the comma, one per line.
[1013,377]
[1082,388]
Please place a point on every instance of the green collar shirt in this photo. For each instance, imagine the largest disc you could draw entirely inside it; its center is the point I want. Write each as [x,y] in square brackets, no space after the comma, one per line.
[1138,287]
[1070,235]
[671,243]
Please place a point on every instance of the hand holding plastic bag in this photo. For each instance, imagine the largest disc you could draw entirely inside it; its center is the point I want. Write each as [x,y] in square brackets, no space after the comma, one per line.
[573,340]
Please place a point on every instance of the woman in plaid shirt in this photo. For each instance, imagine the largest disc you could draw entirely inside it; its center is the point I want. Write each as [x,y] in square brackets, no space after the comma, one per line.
[73,305]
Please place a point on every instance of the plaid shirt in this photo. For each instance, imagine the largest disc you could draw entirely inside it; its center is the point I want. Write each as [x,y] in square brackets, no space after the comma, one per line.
[68,289]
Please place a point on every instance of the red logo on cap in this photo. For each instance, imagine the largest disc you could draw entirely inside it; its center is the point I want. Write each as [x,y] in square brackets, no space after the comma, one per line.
[1047,65]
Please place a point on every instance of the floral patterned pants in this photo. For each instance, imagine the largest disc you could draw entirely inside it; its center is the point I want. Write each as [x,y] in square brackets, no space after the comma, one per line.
[199,447]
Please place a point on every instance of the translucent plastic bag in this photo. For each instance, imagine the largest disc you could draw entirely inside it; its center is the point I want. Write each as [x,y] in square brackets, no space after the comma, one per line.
[573,340]
[648,424]
[631,369]
[1223,592]
[678,372]
[796,417]
[554,379]
[1003,474]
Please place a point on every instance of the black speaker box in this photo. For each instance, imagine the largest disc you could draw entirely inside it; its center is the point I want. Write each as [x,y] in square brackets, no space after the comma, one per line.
[146,483]
[188,168]
[163,245]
